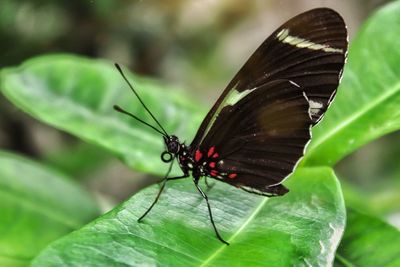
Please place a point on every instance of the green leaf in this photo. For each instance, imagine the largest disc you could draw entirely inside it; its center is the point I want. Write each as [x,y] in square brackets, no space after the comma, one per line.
[367,103]
[77,94]
[78,160]
[378,203]
[301,228]
[368,241]
[38,205]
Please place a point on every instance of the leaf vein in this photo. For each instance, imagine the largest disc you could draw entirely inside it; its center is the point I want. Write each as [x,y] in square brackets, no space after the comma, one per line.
[251,217]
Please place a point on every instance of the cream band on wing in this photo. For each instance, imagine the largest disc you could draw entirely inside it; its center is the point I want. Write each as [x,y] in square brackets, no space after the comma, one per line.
[284,37]
[315,107]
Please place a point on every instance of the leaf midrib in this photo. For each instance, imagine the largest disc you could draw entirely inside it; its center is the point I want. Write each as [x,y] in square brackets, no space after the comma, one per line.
[343,260]
[238,231]
[355,116]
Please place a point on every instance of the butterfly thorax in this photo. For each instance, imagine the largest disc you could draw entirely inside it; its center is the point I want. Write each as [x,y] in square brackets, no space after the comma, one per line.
[202,163]
[186,160]
[196,162]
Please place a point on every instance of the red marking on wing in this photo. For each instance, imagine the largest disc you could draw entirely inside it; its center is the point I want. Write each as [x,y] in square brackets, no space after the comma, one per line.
[216,155]
[212,164]
[232,175]
[214,173]
[197,155]
[211,151]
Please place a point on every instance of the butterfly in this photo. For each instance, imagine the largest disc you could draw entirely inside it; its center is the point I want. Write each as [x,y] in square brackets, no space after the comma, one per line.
[258,129]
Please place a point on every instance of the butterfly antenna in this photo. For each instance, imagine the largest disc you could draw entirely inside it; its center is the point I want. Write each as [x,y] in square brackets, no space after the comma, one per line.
[119,109]
[141,101]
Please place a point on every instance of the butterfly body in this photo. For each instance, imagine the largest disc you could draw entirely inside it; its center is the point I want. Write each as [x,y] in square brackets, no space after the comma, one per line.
[198,164]
[257,130]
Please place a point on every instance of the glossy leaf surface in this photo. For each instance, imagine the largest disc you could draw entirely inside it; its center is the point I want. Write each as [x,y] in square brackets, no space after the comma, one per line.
[300,228]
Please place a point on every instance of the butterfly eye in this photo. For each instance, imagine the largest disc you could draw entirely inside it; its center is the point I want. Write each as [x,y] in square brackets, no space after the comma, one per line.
[166,157]
[173,146]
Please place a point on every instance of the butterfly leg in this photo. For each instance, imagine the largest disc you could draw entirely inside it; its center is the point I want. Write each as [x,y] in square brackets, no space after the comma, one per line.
[209,211]
[164,181]
[209,186]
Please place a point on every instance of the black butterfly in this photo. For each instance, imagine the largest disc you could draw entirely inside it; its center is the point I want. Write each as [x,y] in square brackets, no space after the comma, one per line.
[257,131]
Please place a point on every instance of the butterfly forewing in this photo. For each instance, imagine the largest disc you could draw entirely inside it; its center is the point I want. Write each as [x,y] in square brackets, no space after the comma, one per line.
[309,49]
[260,124]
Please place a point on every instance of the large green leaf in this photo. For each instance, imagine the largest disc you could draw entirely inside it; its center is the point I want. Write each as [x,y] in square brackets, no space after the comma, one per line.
[368,241]
[301,228]
[78,160]
[367,103]
[77,94]
[37,205]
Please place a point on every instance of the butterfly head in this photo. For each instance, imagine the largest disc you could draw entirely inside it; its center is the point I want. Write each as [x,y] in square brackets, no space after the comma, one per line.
[173,147]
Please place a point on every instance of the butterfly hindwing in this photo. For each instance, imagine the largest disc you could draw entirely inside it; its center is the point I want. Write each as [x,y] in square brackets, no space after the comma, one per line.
[259,138]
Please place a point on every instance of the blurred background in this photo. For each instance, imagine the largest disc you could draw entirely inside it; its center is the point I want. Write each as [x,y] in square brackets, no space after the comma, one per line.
[197,45]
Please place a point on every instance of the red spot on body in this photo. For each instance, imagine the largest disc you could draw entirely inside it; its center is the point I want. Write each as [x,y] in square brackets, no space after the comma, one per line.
[232,175]
[216,155]
[212,164]
[214,173]
[211,151]
[197,155]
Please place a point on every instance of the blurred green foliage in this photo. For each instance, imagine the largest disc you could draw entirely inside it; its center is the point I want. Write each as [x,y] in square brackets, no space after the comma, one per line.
[75,94]
[38,205]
